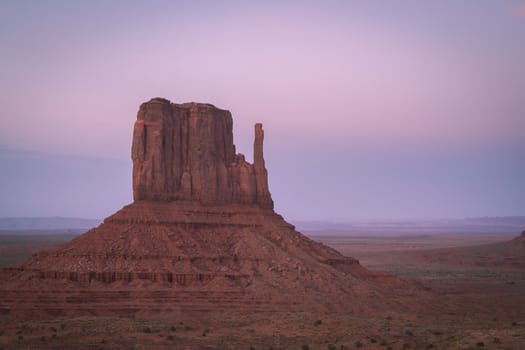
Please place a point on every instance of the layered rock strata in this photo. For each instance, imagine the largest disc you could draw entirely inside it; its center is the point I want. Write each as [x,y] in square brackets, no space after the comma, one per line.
[201,235]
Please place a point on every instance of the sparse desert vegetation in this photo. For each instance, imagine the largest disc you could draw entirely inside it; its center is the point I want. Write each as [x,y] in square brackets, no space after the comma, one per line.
[476,309]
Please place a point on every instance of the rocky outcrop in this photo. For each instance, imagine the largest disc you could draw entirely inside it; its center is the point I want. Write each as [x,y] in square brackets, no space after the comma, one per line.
[201,235]
[520,238]
[186,152]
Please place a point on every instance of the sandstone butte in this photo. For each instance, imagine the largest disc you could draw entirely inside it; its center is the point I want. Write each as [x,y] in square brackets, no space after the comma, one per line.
[201,235]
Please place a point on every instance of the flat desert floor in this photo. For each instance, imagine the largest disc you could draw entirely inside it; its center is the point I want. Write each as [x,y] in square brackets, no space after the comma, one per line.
[474,298]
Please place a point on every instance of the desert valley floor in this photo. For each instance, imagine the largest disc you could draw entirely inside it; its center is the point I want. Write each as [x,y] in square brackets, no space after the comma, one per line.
[470,294]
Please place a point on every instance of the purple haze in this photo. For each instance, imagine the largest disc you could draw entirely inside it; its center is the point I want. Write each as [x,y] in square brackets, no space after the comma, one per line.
[399,109]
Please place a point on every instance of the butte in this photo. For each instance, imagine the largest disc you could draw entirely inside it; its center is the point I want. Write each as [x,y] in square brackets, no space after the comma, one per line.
[200,236]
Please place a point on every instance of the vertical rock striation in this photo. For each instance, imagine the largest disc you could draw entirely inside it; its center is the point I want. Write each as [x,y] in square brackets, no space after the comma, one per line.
[186,152]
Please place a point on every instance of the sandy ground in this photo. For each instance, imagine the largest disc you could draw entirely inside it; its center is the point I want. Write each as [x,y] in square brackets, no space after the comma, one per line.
[465,306]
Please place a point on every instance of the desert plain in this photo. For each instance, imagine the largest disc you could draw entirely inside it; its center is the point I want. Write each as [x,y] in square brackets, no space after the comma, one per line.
[470,294]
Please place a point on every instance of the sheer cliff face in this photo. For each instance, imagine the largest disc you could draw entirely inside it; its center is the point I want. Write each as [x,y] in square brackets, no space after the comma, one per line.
[186,152]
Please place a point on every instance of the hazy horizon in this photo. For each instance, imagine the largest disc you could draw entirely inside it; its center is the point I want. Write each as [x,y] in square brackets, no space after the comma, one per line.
[398,110]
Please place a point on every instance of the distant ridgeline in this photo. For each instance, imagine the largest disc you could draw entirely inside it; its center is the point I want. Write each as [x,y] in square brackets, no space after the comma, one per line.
[483,225]
[50,223]
[505,224]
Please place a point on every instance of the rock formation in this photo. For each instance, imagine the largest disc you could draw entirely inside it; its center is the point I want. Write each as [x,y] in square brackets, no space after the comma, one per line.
[201,235]
[186,152]
[520,239]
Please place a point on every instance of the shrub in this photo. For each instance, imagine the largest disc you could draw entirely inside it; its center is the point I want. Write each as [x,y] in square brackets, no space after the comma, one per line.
[318,322]
[480,344]
[331,347]
[358,344]
[409,333]
[173,329]
[147,330]
[497,341]
[305,347]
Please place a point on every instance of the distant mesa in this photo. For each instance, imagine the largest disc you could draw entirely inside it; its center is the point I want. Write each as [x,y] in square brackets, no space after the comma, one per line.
[201,235]
[506,255]
[521,238]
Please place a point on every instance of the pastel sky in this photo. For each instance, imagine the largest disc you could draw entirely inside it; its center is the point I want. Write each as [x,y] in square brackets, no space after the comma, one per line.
[372,109]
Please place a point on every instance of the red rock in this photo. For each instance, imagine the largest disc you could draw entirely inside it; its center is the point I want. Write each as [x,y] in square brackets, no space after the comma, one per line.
[186,152]
[201,235]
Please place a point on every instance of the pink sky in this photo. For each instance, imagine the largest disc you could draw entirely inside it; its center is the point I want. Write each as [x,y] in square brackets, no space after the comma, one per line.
[384,79]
